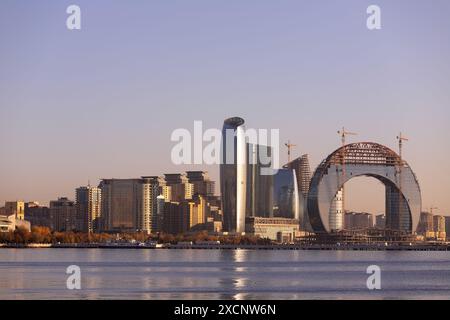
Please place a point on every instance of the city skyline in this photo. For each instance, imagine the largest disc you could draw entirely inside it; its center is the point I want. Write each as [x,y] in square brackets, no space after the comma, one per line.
[78,107]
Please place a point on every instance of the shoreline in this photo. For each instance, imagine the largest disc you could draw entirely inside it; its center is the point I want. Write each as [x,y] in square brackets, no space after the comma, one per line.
[297,247]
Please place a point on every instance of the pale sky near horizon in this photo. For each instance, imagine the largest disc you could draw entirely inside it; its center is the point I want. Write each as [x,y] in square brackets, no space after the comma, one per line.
[102,102]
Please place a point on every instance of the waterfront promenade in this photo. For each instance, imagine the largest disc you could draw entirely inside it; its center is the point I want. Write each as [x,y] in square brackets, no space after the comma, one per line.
[193,246]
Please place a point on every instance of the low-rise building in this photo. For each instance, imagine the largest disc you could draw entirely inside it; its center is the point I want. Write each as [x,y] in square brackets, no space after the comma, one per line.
[16,208]
[11,223]
[276,229]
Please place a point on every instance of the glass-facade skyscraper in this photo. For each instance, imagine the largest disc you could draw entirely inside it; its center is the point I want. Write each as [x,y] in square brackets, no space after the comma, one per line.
[303,174]
[259,200]
[233,175]
[286,199]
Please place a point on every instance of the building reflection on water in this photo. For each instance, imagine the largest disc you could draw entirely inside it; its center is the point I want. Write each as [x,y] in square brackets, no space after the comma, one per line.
[234,283]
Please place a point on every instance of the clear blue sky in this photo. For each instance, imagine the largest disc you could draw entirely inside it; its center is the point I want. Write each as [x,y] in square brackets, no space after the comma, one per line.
[103,101]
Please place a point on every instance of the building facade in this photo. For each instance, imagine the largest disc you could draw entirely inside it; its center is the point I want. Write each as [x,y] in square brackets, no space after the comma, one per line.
[233,175]
[202,184]
[38,215]
[121,204]
[176,217]
[303,174]
[180,188]
[259,193]
[277,229]
[88,204]
[380,221]
[11,223]
[426,224]
[130,205]
[286,196]
[150,220]
[439,227]
[336,214]
[16,208]
[447,226]
[64,214]
[358,221]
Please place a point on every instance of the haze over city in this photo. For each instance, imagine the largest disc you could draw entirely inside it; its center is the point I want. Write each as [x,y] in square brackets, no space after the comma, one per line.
[103,102]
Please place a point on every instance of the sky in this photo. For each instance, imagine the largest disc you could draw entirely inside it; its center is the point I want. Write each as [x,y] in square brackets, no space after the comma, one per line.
[102,102]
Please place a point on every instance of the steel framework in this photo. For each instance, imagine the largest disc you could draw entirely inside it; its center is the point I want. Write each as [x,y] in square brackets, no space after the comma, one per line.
[371,160]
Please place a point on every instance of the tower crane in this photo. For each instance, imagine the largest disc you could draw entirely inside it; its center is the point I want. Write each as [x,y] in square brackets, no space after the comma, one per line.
[289,146]
[343,134]
[400,139]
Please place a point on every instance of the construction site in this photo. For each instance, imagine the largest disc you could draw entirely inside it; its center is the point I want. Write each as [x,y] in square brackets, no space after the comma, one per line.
[324,194]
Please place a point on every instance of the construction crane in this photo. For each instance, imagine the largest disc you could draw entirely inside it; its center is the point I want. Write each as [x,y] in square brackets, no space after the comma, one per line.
[289,146]
[343,133]
[400,139]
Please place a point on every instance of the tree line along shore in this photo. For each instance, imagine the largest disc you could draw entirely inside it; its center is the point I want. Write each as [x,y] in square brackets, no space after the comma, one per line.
[44,235]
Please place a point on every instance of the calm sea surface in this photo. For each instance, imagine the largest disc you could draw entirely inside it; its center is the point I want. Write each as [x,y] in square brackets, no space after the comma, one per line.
[221,274]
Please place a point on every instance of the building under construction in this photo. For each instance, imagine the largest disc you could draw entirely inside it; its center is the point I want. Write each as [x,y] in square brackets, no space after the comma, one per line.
[403,196]
[367,236]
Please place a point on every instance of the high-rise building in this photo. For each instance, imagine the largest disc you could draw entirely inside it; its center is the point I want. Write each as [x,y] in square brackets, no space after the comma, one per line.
[397,211]
[64,214]
[233,175]
[16,208]
[247,177]
[121,204]
[303,174]
[425,224]
[201,183]
[181,217]
[336,214]
[380,221]
[259,194]
[176,217]
[88,204]
[439,223]
[447,226]
[167,193]
[160,201]
[439,227]
[149,220]
[180,188]
[198,212]
[131,204]
[286,198]
[38,215]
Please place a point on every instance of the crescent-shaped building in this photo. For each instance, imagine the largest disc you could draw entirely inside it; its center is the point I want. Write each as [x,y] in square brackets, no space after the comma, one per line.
[403,196]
